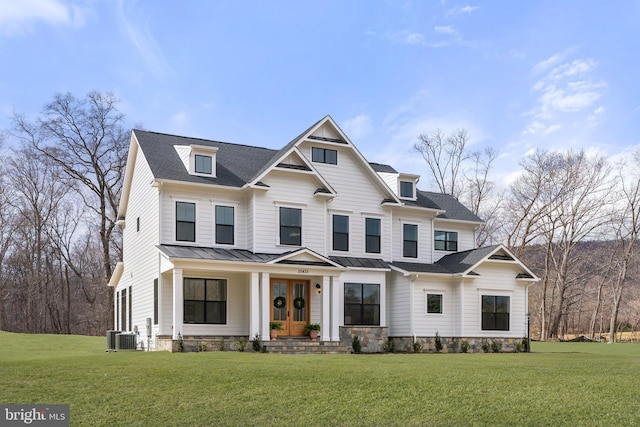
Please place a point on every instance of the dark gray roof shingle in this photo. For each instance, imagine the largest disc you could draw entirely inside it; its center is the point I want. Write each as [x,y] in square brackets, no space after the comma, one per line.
[460,262]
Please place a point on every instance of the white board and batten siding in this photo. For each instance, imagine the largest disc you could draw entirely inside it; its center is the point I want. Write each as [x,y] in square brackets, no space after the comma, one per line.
[495,278]
[141,267]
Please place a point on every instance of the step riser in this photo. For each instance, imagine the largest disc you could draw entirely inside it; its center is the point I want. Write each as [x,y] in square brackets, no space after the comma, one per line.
[288,346]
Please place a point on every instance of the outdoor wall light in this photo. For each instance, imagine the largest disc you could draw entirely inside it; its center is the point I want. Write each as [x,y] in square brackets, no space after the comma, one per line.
[318,288]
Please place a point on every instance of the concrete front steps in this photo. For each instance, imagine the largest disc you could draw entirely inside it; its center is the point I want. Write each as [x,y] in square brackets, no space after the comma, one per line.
[299,345]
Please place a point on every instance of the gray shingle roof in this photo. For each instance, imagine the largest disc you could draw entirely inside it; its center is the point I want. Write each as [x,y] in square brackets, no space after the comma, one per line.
[452,207]
[460,262]
[378,167]
[236,164]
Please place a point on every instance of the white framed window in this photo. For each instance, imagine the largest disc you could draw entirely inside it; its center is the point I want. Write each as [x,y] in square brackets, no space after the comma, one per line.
[225,220]
[434,302]
[409,240]
[202,160]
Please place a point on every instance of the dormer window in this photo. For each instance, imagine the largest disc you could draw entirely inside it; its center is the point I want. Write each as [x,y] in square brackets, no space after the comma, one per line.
[406,189]
[203,164]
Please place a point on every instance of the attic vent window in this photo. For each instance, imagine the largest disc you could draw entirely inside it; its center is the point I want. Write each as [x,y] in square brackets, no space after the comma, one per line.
[324,155]
[203,164]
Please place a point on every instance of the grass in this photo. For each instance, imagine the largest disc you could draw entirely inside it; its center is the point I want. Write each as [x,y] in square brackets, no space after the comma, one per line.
[558,384]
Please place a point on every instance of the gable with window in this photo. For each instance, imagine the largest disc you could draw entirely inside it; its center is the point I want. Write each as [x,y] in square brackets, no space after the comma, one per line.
[495,313]
[324,155]
[291,226]
[446,241]
[205,301]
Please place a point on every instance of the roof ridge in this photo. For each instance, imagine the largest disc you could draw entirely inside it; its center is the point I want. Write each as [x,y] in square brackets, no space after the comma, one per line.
[204,139]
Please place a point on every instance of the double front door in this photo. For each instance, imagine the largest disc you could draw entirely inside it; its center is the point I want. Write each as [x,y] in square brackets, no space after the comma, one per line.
[290,305]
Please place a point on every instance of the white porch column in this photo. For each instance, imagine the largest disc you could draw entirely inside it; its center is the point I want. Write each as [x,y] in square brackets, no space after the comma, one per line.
[336,308]
[325,319]
[265,305]
[254,306]
[178,303]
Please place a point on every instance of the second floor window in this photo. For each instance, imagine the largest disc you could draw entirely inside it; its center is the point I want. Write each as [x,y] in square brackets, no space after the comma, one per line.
[340,233]
[291,226]
[410,241]
[185,222]
[324,155]
[203,164]
[224,225]
[372,230]
[446,241]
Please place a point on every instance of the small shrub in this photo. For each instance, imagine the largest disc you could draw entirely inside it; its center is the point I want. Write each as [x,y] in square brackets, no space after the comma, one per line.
[241,344]
[389,346]
[496,346]
[486,347]
[518,347]
[221,345]
[525,345]
[417,347]
[438,342]
[464,346]
[356,344]
[180,344]
[256,343]
[202,346]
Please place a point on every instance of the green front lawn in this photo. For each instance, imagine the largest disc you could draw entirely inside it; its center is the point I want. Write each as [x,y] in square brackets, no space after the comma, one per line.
[558,384]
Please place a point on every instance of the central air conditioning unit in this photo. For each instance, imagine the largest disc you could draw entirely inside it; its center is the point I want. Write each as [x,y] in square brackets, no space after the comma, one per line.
[111,339]
[125,342]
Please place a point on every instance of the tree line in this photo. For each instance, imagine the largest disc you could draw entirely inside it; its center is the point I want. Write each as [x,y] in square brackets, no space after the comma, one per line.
[572,218]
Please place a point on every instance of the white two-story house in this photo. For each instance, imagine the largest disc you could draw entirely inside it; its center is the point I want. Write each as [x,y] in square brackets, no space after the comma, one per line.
[221,239]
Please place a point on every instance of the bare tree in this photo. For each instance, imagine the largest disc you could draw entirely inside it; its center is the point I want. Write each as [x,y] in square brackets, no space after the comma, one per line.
[86,138]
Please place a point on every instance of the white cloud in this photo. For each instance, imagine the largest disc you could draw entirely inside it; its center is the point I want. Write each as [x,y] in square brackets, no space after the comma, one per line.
[18,17]
[358,127]
[565,87]
[445,29]
[405,36]
[458,10]
[139,32]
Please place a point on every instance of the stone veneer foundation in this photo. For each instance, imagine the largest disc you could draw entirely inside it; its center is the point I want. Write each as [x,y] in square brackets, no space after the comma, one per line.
[452,344]
[372,338]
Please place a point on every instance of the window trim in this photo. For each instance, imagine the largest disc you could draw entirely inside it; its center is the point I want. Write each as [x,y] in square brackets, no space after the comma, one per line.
[446,240]
[404,240]
[195,222]
[206,151]
[334,232]
[204,301]
[233,226]
[324,155]
[427,294]
[362,304]
[413,188]
[495,294]
[366,235]
[279,238]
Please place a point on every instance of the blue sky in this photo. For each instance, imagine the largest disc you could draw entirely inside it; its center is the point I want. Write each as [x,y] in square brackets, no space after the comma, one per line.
[517,75]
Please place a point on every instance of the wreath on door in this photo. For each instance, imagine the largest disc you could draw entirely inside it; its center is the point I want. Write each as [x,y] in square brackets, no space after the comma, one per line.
[298,303]
[279,302]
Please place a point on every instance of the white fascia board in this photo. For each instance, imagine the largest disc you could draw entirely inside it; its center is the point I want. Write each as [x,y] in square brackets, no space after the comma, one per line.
[116,275]
[128,176]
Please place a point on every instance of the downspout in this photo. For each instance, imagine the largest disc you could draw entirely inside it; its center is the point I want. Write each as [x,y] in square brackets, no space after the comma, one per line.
[412,281]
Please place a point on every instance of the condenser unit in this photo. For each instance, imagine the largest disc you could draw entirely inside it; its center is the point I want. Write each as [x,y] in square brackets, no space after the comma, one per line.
[126,342]
[111,339]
